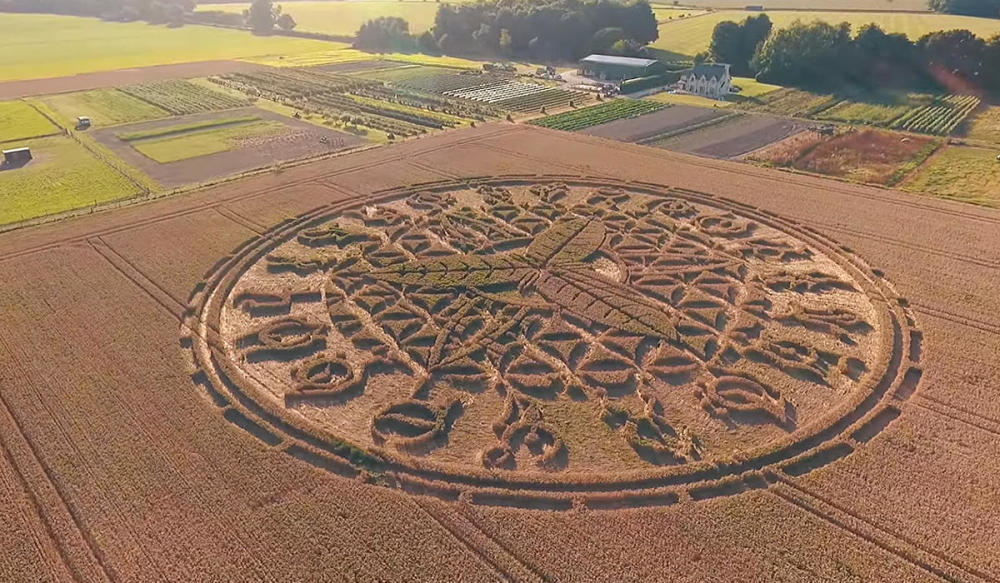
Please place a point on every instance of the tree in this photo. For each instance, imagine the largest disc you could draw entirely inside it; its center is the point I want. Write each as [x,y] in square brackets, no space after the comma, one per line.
[262,16]
[736,44]
[806,54]
[985,8]
[286,22]
[385,33]
[954,58]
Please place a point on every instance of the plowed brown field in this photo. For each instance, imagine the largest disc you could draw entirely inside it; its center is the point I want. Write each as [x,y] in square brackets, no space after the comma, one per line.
[371,369]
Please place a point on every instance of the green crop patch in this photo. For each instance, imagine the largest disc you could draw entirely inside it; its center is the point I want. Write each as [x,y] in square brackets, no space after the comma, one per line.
[183,97]
[179,129]
[104,107]
[173,147]
[960,173]
[591,116]
[19,121]
[62,176]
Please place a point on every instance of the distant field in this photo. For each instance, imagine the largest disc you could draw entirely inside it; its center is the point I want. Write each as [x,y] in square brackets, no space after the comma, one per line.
[960,173]
[893,5]
[18,121]
[344,18]
[868,156]
[63,176]
[41,45]
[690,36]
[104,107]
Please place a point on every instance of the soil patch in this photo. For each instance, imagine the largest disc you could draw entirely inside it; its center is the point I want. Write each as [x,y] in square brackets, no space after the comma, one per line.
[653,124]
[734,138]
[868,156]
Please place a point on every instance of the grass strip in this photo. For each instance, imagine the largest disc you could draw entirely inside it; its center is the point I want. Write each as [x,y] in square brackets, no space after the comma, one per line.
[186,128]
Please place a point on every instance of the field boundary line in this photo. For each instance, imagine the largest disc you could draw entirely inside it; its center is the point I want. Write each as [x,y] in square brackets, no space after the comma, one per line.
[473,522]
[103,571]
[432,170]
[900,243]
[144,283]
[237,197]
[239,219]
[941,408]
[899,545]
[984,326]
[768,174]
[40,516]
[514,569]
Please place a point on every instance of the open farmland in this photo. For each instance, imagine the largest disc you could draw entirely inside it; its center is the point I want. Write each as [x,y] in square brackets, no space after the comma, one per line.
[868,156]
[602,113]
[89,45]
[232,367]
[182,151]
[18,121]
[690,36]
[733,137]
[63,176]
[345,18]
[104,107]
[959,173]
[651,125]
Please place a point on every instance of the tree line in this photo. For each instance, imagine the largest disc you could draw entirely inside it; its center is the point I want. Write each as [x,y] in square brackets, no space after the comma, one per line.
[552,30]
[153,11]
[822,55]
[985,8]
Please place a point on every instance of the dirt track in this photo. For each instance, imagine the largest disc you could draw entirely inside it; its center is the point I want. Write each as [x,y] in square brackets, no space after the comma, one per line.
[117,465]
[118,78]
[735,137]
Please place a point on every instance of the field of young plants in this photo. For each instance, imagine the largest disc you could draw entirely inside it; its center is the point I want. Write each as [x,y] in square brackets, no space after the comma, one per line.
[62,176]
[960,173]
[579,119]
[104,107]
[940,117]
[183,97]
[19,121]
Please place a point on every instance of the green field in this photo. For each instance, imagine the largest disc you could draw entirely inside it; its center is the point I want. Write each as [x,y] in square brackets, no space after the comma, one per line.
[44,45]
[104,107]
[985,125]
[690,36]
[18,121]
[185,142]
[345,18]
[63,176]
[960,173]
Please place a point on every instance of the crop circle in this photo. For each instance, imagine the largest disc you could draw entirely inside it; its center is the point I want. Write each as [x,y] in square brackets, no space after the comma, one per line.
[549,341]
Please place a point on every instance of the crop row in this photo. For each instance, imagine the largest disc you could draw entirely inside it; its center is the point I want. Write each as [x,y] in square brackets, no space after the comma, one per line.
[346,104]
[445,82]
[427,101]
[598,114]
[182,97]
[940,117]
[551,97]
[291,83]
[795,103]
[333,104]
[498,91]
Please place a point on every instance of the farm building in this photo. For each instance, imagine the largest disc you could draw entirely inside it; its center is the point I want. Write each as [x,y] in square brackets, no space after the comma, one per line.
[16,156]
[612,68]
[708,80]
